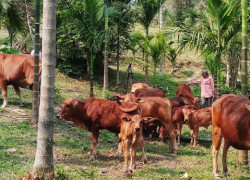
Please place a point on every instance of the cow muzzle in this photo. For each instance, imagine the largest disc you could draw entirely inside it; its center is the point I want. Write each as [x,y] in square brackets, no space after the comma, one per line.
[185,120]
[137,129]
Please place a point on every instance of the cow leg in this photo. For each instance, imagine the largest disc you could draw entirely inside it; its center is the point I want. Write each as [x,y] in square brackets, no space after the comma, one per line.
[172,138]
[17,89]
[192,136]
[126,152]
[94,141]
[119,150]
[4,93]
[133,156]
[195,135]
[179,128]
[215,149]
[144,157]
[226,146]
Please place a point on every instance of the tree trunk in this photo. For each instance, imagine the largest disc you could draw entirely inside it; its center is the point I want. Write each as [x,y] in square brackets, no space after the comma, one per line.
[233,61]
[217,76]
[106,61]
[228,74]
[28,18]
[118,58]
[91,93]
[35,104]
[161,28]
[243,155]
[146,60]
[44,163]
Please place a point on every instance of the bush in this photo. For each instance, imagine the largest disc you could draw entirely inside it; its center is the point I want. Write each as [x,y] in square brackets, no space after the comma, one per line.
[9,50]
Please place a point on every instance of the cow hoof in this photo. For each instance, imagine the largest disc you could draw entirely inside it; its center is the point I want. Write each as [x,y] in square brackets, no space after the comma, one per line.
[217,176]
[128,171]
[226,174]
[145,161]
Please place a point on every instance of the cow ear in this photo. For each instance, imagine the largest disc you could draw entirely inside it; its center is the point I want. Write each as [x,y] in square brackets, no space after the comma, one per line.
[126,119]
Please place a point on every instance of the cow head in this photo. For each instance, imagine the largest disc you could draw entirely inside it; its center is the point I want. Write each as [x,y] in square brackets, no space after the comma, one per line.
[137,121]
[187,113]
[138,86]
[130,97]
[67,111]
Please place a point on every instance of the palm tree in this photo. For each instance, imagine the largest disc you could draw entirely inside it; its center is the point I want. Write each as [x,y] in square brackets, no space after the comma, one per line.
[35,104]
[212,31]
[243,155]
[171,54]
[10,18]
[148,10]
[44,163]
[156,48]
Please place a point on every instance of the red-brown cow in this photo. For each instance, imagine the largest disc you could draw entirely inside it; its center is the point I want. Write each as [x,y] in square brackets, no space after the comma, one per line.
[159,109]
[230,121]
[149,92]
[95,114]
[138,86]
[18,71]
[178,120]
[185,93]
[130,136]
[196,119]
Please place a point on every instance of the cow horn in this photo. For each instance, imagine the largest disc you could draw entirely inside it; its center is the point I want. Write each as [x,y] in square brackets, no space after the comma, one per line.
[133,108]
[248,106]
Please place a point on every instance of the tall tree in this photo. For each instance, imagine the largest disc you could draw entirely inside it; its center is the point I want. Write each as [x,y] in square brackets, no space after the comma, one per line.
[212,32]
[243,155]
[44,163]
[35,104]
[148,10]
[161,28]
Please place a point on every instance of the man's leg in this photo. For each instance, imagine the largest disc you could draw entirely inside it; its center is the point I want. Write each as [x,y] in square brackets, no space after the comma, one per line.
[203,102]
[210,101]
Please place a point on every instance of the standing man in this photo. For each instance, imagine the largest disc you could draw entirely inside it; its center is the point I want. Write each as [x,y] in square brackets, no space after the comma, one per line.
[207,88]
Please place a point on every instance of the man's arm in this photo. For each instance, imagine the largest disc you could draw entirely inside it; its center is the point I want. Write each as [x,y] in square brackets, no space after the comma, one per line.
[195,82]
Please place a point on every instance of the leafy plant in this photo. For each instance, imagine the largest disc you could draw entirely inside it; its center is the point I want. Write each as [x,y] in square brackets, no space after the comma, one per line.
[9,50]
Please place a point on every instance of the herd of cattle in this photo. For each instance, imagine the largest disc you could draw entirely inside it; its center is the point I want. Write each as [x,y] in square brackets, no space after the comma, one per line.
[144,112]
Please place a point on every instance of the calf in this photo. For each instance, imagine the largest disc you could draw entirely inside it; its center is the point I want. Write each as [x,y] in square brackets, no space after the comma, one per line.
[230,121]
[130,136]
[95,114]
[195,119]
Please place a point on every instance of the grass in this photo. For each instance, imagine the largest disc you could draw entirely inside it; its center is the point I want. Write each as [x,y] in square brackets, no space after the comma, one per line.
[72,144]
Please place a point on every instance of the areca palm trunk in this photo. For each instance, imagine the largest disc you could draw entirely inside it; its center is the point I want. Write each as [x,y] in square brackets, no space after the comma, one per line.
[35,104]
[91,94]
[106,63]
[44,163]
[146,58]
[161,28]
[243,155]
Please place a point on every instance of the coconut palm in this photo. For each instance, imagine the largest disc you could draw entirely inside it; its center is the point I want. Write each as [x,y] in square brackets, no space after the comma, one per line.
[212,31]
[147,11]
[44,163]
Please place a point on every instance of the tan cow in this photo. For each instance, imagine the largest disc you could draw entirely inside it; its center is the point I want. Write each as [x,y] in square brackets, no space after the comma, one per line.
[18,71]
[196,119]
[130,136]
[138,86]
[230,121]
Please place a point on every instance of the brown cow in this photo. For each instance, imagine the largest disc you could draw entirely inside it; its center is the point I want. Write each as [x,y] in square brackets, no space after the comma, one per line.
[149,92]
[178,120]
[185,93]
[138,86]
[95,114]
[130,136]
[230,121]
[18,71]
[160,109]
[196,119]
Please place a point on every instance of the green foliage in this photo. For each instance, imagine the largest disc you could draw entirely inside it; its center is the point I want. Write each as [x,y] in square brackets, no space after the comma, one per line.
[9,50]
